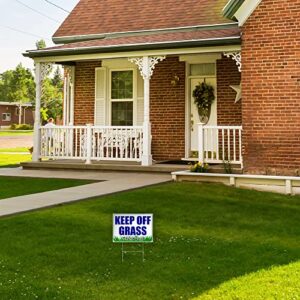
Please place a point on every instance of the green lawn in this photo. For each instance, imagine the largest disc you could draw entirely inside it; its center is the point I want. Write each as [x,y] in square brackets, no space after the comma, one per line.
[15,132]
[17,186]
[211,242]
[13,160]
[16,150]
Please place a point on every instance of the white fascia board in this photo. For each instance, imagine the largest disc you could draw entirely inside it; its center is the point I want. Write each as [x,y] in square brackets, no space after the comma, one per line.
[246,10]
[100,56]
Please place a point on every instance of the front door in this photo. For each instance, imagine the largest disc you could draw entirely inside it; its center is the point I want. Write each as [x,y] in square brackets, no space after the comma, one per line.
[194,117]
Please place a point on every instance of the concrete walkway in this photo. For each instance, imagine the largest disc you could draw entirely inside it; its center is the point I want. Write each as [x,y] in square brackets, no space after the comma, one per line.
[113,182]
[15,141]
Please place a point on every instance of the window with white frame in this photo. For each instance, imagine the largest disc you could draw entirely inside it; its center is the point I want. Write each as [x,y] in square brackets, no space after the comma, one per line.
[6,117]
[121,96]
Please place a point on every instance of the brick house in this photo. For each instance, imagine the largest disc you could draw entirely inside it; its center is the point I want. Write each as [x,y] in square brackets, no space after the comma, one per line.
[15,113]
[132,79]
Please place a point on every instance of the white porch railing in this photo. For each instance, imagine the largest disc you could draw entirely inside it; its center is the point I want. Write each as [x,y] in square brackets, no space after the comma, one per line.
[218,144]
[92,143]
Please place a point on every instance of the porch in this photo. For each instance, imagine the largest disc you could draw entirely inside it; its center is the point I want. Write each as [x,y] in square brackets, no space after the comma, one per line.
[140,110]
[121,144]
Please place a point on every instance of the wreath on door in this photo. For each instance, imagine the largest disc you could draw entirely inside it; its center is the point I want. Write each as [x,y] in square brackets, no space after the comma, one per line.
[203,98]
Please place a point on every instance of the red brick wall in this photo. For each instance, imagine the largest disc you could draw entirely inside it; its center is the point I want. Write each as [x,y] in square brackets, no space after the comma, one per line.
[271,88]
[14,116]
[228,112]
[84,104]
[167,110]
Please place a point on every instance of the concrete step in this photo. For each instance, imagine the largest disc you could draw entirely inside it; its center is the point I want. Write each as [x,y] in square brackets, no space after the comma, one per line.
[118,167]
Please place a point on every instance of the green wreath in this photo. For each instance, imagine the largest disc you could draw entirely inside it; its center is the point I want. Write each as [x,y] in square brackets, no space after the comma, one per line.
[203,98]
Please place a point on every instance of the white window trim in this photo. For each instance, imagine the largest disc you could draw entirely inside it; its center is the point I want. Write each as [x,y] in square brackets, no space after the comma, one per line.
[134,98]
[6,115]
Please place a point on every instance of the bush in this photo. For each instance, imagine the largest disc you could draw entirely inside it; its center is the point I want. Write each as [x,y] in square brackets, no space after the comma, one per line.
[21,127]
[199,168]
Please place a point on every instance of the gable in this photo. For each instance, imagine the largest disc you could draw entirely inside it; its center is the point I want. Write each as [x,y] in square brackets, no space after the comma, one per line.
[96,17]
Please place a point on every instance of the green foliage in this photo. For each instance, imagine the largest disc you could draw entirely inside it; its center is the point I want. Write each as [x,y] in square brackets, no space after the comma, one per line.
[21,127]
[17,85]
[52,98]
[199,168]
[227,167]
[204,97]
[41,44]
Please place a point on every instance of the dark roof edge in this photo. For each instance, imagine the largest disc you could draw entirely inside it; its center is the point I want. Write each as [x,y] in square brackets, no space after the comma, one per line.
[134,47]
[89,37]
[231,7]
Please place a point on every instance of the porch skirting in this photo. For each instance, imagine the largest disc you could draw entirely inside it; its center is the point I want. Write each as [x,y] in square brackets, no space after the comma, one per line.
[278,184]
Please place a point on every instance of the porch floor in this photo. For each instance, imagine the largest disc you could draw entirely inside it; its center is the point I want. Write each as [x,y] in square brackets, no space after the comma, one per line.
[104,166]
[157,167]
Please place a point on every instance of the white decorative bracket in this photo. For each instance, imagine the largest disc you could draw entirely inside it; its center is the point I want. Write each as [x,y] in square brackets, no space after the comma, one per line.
[237,56]
[146,64]
[45,69]
[68,72]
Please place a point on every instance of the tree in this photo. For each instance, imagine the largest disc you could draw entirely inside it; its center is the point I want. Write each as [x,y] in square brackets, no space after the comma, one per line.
[41,44]
[17,85]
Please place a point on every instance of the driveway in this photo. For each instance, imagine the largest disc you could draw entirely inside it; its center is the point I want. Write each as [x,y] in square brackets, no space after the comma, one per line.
[16,141]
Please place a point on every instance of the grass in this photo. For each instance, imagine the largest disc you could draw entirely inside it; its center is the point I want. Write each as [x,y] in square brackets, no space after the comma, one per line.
[13,160]
[210,242]
[18,186]
[15,132]
[16,150]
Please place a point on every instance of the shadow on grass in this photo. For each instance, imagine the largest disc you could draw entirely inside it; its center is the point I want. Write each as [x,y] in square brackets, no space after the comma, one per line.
[205,235]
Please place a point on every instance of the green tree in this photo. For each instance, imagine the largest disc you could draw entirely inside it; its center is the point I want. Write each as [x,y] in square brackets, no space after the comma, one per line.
[17,85]
[41,44]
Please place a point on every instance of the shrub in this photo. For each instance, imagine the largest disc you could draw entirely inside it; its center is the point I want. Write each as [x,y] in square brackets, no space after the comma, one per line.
[21,127]
[199,168]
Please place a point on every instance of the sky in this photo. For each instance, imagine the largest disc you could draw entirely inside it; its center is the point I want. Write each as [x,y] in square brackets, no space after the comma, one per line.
[15,15]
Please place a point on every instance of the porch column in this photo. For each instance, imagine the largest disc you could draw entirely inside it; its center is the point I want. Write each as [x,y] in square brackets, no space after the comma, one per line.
[146,65]
[41,71]
[68,106]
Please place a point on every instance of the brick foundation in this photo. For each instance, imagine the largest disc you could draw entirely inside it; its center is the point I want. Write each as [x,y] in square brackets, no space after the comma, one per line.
[167,110]
[271,89]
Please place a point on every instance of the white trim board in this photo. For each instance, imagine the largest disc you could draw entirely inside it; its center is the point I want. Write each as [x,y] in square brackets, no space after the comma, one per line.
[246,10]
[102,56]
[289,185]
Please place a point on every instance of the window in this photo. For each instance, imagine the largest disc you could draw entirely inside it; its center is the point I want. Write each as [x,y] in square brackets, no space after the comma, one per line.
[6,117]
[122,98]
[208,69]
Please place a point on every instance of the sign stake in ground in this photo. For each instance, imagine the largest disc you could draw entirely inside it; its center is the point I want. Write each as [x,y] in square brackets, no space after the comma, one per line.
[133,229]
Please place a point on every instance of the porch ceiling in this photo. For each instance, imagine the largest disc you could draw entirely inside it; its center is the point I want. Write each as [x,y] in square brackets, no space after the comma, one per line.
[179,39]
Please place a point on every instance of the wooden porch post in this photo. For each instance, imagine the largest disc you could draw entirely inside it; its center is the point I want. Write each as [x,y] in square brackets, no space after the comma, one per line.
[41,71]
[147,155]
[37,119]
[146,65]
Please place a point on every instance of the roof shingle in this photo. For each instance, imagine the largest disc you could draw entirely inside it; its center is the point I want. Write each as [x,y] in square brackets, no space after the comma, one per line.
[110,16]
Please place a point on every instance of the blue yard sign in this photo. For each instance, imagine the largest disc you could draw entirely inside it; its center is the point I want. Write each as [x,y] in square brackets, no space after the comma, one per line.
[133,228]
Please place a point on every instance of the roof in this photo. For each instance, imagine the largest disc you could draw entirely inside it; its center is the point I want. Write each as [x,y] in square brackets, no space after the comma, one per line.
[101,17]
[175,39]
